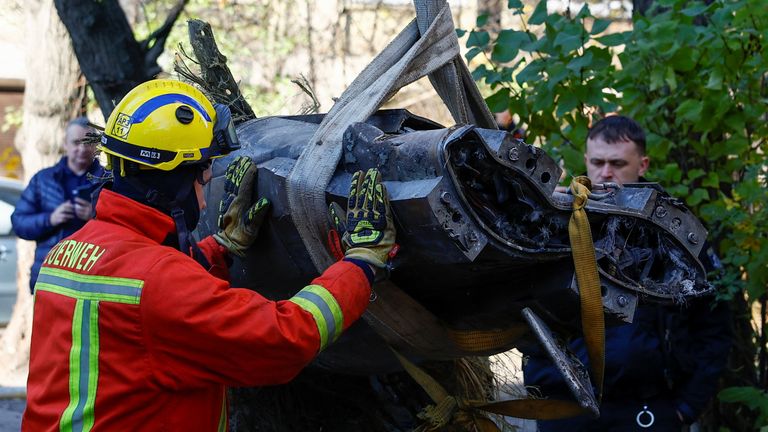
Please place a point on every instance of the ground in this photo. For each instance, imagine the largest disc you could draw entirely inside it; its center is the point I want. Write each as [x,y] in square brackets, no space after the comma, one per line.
[10,414]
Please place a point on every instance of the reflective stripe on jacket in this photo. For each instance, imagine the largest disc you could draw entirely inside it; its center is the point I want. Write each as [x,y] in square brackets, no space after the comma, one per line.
[129,334]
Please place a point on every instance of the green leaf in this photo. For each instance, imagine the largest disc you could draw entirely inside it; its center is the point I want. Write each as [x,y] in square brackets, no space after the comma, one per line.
[568,42]
[514,4]
[712,180]
[535,44]
[472,53]
[583,12]
[746,395]
[480,72]
[697,196]
[557,73]
[492,78]
[715,81]
[566,103]
[689,110]
[678,190]
[736,145]
[684,60]
[580,62]
[507,45]
[672,173]
[695,173]
[539,14]
[503,53]
[460,32]
[599,26]
[735,121]
[481,20]
[614,39]
[695,10]
[498,101]
[543,100]
[670,79]
[531,73]
[573,158]
[657,79]
[658,147]
[513,38]
[517,106]
[478,39]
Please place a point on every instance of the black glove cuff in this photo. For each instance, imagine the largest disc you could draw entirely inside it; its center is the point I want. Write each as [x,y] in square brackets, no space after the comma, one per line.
[364,266]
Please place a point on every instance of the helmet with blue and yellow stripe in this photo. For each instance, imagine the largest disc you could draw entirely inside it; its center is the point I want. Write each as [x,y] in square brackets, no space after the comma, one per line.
[164,123]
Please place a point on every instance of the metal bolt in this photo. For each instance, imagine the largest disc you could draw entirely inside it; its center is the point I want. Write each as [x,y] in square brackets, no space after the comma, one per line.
[660,212]
[472,236]
[622,300]
[445,197]
[514,154]
[693,238]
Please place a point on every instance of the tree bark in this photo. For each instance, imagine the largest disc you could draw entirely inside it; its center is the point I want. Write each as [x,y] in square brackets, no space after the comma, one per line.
[492,9]
[53,95]
[641,7]
[111,59]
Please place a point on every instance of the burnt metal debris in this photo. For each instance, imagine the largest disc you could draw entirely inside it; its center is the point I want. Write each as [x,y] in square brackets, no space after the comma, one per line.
[483,234]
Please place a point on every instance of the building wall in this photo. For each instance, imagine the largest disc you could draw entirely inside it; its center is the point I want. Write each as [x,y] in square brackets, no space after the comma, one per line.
[12,73]
[11,98]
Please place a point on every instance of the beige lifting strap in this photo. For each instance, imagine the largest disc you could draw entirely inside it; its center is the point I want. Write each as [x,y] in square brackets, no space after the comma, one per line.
[427,46]
[449,409]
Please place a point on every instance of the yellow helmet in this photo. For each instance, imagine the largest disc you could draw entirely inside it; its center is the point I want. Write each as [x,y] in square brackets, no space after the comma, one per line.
[166,123]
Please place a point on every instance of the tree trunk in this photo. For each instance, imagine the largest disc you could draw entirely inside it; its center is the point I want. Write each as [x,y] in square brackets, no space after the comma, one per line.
[641,7]
[53,95]
[111,59]
[492,9]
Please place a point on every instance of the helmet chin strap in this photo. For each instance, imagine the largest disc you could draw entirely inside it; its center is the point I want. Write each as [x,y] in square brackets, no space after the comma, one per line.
[187,244]
[173,207]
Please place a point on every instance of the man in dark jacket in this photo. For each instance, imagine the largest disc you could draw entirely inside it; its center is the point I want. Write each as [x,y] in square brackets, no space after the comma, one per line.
[662,369]
[48,209]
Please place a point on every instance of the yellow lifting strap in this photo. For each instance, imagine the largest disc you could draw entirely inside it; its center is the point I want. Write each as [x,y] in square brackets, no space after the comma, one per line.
[480,341]
[448,407]
[583,250]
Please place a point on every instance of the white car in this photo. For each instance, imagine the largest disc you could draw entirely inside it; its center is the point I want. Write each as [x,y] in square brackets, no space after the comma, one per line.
[10,190]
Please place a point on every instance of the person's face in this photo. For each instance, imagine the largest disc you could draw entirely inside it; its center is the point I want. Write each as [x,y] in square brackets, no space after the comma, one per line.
[619,162]
[79,155]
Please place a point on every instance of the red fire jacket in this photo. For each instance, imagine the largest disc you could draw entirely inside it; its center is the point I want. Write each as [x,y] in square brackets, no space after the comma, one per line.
[130,335]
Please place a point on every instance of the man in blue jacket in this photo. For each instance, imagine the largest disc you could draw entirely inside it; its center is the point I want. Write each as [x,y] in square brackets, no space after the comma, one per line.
[48,209]
[662,369]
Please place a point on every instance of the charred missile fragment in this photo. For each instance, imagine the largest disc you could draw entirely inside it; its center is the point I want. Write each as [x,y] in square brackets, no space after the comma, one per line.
[482,232]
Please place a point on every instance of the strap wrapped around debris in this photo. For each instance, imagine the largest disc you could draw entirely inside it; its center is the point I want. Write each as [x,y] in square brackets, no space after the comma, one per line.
[427,46]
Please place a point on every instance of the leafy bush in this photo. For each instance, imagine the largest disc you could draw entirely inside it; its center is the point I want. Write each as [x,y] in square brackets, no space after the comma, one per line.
[694,75]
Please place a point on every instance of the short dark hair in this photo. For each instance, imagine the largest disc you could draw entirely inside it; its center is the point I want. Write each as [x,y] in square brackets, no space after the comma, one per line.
[617,128]
[79,121]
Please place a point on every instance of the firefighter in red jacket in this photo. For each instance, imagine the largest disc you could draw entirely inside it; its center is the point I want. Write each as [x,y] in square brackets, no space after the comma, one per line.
[135,326]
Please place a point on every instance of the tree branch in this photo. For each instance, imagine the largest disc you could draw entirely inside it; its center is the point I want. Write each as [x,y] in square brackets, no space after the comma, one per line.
[217,79]
[154,44]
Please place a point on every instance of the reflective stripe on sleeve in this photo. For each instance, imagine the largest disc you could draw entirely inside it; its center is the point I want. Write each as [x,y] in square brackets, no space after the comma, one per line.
[324,308]
[89,287]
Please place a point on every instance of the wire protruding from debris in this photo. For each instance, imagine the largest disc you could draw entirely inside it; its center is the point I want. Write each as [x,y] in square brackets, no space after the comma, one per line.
[308,107]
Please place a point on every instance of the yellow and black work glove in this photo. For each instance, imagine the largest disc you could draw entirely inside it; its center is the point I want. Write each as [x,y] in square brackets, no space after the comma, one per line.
[367,231]
[239,216]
